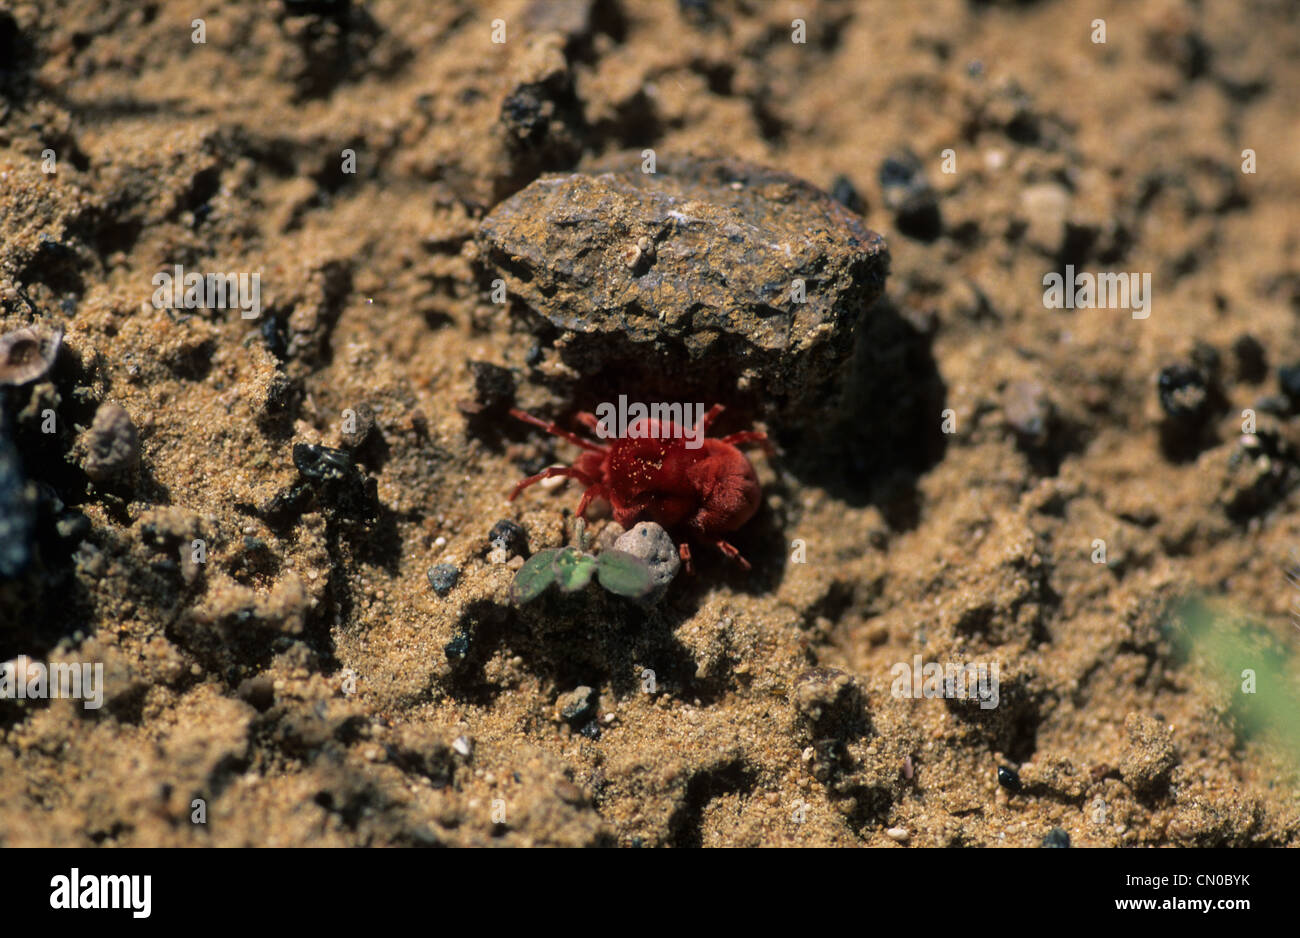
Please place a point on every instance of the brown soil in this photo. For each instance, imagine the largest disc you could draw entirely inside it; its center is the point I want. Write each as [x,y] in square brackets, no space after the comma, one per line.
[306,683]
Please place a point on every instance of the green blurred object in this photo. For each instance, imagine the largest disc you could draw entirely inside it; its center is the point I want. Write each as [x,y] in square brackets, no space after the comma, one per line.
[1229,649]
[534,576]
[573,570]
[624,574]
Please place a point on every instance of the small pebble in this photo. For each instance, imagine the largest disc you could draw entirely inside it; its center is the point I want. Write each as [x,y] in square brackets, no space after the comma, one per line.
[569,793]
[1008,778]
[258,691]
[26,355]
[509,538]
[578,705]
[1028,411]
[494,389]
[443,577]
[908,194]
[1046,208]
[900,834]
[1184,393]
[651,543]
[844,192]
[638,257]
[554,482]
[322,463]
[458,647]
[1288,379]
[1274,404]
[112,443]
[1252,360]
[1056,837]
[462,746]
[357,430]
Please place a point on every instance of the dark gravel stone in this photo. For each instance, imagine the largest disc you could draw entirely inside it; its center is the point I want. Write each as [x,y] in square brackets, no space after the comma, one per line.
[458,647]
[1252,360]
[443,578]
[541,118]
[1288,379]
[908,194]
[1274,404]
[508,535]
[1257,474]
[844,192]
[684,278]
[1056,837]
[578,706]
[1206,357]
[494,388]
[1008,778]
[275,335]
[1184,393]
[322,463]
[525,113]
[336,8]
[337,481]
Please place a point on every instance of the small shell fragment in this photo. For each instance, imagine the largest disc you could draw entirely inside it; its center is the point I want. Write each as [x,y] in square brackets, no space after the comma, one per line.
[26,355]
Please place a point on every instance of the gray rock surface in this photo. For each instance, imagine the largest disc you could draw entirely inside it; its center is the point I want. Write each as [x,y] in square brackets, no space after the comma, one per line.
[651,543]
[688,275]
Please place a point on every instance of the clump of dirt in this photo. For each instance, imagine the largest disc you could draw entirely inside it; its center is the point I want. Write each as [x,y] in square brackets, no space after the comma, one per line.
[704,276]
[276,534]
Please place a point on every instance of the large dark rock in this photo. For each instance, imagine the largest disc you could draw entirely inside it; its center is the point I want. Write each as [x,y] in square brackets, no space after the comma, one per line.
[683,280]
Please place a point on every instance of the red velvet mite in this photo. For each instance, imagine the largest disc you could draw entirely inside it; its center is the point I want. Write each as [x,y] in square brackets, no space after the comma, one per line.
[652,475]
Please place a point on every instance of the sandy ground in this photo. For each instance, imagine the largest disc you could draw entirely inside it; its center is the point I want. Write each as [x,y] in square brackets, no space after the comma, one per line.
[301,683]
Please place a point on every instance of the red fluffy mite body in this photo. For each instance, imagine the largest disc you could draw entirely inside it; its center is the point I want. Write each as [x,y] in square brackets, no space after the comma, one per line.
[652,475]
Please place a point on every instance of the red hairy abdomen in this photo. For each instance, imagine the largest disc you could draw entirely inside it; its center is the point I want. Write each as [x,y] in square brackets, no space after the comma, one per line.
[728,488]
[710,489]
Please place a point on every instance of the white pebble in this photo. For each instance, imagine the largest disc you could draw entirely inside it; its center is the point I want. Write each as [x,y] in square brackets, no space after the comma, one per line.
[554,481]
[898,833]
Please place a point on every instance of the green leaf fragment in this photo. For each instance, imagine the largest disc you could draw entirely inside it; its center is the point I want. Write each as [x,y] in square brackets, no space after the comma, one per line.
[534,576]
[624,574]
[573,570]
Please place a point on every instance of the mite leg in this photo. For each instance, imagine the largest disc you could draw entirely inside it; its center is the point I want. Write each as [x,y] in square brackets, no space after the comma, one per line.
[548,473]
[731,552]
[557,430]
[591,422]
[707,420]
[751,436]
[594,491]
